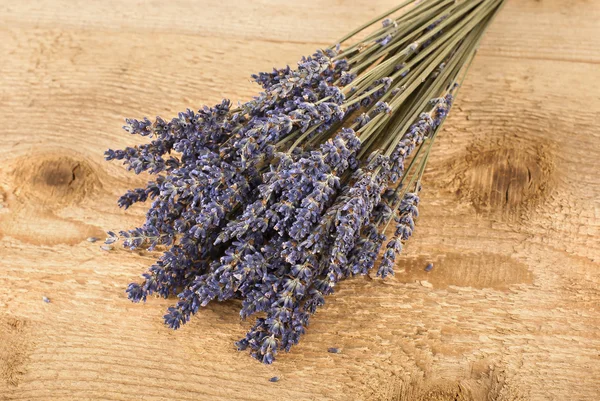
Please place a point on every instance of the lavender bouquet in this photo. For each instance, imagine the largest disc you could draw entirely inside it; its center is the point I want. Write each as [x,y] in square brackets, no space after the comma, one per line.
[278,199]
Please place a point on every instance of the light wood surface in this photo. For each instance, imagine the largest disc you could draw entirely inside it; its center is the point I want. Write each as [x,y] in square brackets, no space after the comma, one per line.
[510,212]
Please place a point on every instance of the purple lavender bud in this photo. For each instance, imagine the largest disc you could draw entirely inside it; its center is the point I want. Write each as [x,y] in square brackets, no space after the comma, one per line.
[362,120]
[386,267]
[389,22]
[134,126]
[435,23]
[174,318]
[382,107]
[385,40]
[347,78]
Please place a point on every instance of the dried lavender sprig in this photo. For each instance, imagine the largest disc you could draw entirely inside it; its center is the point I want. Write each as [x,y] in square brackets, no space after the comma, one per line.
[407,209]
[408,212]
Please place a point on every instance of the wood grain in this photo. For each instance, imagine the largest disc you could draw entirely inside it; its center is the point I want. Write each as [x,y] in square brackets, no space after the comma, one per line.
[510,215]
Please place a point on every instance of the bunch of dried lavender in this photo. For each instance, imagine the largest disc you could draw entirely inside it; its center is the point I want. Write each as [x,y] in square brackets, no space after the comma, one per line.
[275,201]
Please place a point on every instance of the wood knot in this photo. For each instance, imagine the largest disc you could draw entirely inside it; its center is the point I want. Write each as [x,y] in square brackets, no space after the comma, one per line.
[42,187]
[504,179]
[54,180]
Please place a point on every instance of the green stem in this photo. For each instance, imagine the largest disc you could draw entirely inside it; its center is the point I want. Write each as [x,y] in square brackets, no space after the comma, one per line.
[371,22]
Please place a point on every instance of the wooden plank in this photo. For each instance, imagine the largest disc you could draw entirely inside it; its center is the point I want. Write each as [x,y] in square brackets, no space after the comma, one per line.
[561,30]
[510,214]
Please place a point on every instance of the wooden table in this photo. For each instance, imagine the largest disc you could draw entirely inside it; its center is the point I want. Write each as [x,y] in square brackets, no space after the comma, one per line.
[510,214]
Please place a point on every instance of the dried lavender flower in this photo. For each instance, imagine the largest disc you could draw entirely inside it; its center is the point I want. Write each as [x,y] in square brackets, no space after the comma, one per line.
[276,201]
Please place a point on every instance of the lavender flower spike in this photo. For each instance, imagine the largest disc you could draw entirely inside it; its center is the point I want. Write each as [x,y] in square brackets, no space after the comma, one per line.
[407,212]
